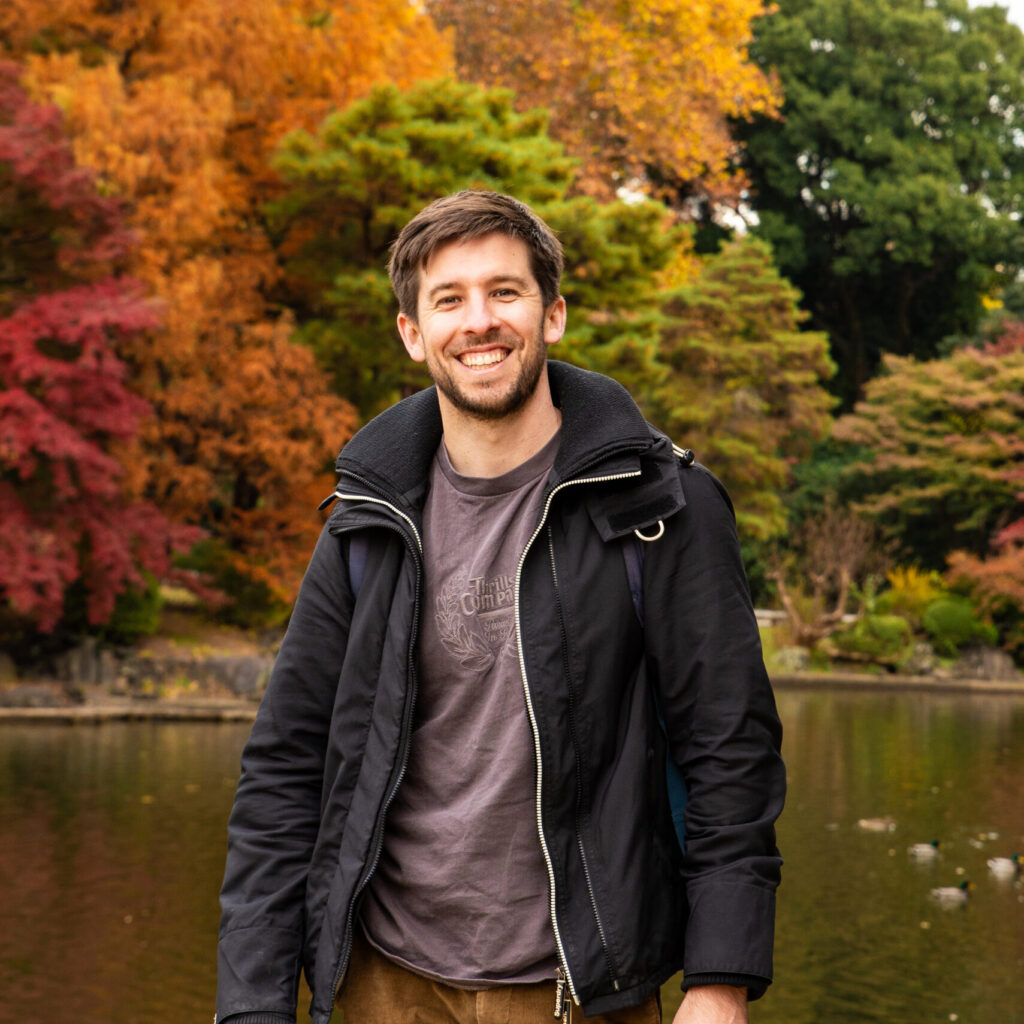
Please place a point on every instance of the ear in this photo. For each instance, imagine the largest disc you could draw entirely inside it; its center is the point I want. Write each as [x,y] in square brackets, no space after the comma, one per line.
[411,338]
[554,321]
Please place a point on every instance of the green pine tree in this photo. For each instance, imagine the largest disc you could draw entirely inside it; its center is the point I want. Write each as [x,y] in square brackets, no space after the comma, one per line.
[744,384]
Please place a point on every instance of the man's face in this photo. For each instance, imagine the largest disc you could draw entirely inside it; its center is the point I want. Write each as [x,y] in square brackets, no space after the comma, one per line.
[481,327]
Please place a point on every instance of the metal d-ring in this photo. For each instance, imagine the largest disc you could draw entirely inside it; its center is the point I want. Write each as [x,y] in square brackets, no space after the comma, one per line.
[657,536]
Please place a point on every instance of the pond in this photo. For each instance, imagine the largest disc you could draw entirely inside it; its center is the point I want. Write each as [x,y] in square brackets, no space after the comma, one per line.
[112,846]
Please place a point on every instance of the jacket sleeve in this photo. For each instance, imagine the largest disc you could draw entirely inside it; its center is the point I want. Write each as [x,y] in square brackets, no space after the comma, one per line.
[275,819]
[723,732]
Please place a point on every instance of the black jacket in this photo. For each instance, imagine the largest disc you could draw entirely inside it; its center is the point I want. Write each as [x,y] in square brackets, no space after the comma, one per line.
[328,748]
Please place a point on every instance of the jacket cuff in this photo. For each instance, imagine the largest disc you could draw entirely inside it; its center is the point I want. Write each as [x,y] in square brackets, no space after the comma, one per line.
[731,930]
[754,984]
[257,975]
[256,1018]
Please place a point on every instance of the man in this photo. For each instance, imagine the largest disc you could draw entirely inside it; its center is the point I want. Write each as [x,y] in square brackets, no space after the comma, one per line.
[453,804]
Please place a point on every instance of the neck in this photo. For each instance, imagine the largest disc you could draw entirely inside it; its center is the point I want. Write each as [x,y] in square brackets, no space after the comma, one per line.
[487,448]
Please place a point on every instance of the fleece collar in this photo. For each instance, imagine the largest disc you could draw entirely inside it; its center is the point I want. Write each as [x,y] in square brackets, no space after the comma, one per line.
[394,450]
[603,433]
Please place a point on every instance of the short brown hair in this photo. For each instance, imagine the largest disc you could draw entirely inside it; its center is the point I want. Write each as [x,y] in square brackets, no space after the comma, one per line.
[460,217]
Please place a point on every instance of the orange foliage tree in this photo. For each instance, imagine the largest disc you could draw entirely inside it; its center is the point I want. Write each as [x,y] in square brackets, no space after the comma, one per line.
[641,92]
[177,106]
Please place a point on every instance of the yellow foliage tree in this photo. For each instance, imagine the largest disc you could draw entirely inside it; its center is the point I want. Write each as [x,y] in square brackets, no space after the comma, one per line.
[177,106]
[640,91]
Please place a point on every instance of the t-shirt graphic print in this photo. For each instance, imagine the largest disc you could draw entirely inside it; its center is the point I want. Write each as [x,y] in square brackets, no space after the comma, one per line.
[475,618]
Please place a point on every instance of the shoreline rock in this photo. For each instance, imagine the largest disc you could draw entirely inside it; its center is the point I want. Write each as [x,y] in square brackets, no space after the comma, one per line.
[48,701]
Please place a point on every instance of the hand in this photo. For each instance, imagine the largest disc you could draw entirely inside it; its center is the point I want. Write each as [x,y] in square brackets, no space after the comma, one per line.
[713,1004]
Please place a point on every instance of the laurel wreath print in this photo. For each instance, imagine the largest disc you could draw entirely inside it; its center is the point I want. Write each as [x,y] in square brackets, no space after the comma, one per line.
[468,647]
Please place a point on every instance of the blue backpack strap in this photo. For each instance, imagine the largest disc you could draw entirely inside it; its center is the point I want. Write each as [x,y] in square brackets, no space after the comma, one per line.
[358,547]
[633,554]
[676,796]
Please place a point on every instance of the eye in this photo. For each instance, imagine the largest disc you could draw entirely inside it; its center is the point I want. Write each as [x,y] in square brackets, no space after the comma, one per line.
[448,300]
[505,293]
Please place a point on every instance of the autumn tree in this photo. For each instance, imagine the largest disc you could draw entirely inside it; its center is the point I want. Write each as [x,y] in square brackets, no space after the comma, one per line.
[641,93]
[945,448]
[177,108]
[996,576]
[745,385]
[65,519]
[893,186]
[997,580]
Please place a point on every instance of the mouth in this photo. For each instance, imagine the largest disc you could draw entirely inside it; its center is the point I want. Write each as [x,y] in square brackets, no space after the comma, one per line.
[490,357]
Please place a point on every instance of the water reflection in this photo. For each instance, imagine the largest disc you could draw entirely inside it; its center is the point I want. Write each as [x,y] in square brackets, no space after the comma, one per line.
[112,845]
[859,939]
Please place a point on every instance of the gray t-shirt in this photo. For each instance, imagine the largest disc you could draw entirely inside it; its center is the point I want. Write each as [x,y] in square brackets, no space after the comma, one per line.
[461,890]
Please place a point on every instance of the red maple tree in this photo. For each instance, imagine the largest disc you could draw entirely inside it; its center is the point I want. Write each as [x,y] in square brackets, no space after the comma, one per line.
[64,406]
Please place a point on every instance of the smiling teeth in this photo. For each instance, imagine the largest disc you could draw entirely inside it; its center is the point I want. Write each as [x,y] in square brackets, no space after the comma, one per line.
[482,358]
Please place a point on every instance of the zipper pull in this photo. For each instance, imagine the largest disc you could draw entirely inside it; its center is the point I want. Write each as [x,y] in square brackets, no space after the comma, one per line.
[560,1006]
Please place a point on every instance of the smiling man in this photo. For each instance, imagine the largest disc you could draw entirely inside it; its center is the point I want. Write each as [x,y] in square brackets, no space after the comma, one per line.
[527,610]
[482,325]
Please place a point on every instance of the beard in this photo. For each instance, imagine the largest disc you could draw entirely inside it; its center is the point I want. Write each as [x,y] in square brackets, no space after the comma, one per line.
[492,403]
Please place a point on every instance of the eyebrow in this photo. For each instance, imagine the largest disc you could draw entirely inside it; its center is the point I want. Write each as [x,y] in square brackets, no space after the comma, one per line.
[445,286]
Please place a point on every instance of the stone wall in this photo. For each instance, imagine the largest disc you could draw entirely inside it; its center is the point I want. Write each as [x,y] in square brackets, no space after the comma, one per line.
[90,671]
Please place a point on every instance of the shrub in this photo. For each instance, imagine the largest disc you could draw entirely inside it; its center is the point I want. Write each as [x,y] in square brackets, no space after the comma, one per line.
[236,598]
[910,592]
[136,614]
[952,623]
[882,638]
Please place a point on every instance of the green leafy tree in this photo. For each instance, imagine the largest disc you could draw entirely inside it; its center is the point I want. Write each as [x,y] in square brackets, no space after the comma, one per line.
[744,385]
[947,443]
[369,168]
[893,187]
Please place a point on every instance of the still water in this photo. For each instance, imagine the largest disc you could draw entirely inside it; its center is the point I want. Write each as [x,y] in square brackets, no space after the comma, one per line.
[112,845]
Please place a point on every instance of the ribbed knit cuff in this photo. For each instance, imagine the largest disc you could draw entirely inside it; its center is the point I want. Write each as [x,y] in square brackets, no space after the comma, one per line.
[257,1018]
[754,985]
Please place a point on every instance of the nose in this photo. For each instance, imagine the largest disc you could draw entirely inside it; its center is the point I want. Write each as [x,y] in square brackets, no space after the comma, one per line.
[478,315]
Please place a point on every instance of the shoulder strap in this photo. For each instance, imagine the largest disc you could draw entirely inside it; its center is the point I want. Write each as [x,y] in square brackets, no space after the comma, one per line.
[633,554]
[358,547]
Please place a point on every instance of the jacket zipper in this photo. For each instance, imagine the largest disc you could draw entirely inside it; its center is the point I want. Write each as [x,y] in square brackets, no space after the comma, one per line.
[533,717]
[376,501]
[378,835]
[609,960]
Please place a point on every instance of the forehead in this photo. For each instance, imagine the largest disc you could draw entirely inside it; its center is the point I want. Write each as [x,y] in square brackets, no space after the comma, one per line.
[466,261]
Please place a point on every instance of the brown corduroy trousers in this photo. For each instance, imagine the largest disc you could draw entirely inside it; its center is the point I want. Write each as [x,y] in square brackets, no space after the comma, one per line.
[378,991]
